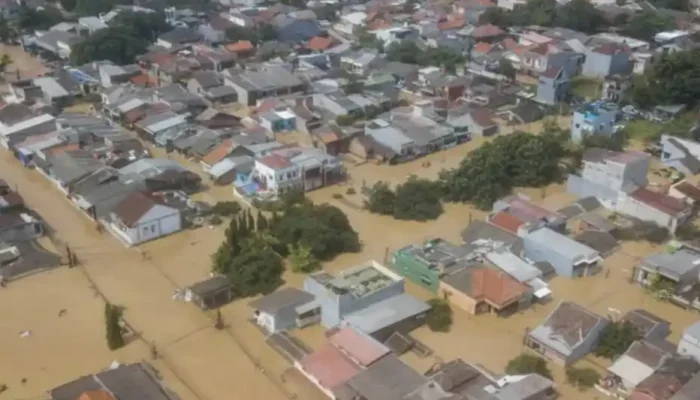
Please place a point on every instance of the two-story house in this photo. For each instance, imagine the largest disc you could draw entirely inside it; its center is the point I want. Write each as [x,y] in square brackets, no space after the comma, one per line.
[361,62]
[276,173]
[553,86]
[539,58]
[596,118]
[608,59]
[253,85]
[680,154]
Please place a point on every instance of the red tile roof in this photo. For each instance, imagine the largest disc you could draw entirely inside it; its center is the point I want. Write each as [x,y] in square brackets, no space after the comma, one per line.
[486,31]
[659,201]
[482,47]
[452,23]
[218,153]
[528,211]
[96,395]
[483,117]
[329,366]
[506,221]
[359,347]
[133,207]
[319,43]
[140,80]
[275,161]
[541,49]
[689,190]
[495,287]
[241,45]
[610,48]
[62,149]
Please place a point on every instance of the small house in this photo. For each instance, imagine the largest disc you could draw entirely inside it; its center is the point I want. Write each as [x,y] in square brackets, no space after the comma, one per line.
[277,311]
[211,293]
[142,217]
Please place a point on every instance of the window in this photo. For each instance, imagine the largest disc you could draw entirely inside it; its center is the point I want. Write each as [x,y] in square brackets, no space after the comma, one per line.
[153,229]
[577,126]
[426,280]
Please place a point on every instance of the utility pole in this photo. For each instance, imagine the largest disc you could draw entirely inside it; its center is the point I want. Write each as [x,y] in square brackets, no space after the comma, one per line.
[70,257]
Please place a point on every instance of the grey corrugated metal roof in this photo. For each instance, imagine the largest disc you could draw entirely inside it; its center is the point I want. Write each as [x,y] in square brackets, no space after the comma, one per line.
[72,165]
[676,264]
[285,297]
[51,87]
[387,379]
[386,313]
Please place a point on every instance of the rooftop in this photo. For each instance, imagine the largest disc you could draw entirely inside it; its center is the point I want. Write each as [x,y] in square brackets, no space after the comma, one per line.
[659,201]
[329,366]
[598,155]
[387,379]
[285,297]
[386,313]
[359,281]
[566,327]
[360,347]
[674,264]
[438,254]
[523,208]
[488,285]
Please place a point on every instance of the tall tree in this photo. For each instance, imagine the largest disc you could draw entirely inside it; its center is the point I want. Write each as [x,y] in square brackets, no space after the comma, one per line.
[302,260]
[68,5]
[114,44]
[244,229]
[672,79]
[505,68]
[380,199]
[257,269]
[528,364]
[262,223]
[417,200]
[146,26]
[114,334]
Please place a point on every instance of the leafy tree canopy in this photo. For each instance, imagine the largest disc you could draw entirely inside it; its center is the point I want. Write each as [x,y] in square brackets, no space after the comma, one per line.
[323,228]
[380,199]
[256,269]
[645,25]
[528,364]
[116,44]
[408,52]
[114,334]
[505,68]
[33,19]
[302,260]
[147,26]
[578,15]
[616,338]
[489,172]
[417,200]
[439,318]
[672,79]
[95,7]
[68,5]
[582,378]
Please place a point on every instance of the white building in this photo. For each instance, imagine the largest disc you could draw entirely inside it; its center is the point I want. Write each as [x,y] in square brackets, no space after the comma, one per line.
[689,345]
[141,217]
[276,174]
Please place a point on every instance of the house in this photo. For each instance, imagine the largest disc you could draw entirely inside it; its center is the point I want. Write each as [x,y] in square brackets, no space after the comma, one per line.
[668,380]
[461,380]
[66,168]
[211,293]
[18,122]
[360,62]
[162,124]
[568,257]
[639,362]
[479,122]
[333,139]
[142,217]
[525,112]
[685,191]
[177,37]
[487,33]
[99,192]
[678,267]
[524,209]
[214,31]
[53,92]
[607,59]
[553,86]
[241,48]
[231,169]
[608,175]
[425,264]
[388,378]
[279,120]
[681,154]
[689,344]
[403,74]
[568,334]
[649,326]
[479,290]
[58,43]
[18,226]
[122,381]
[253,85]
[277,174]
[551,54]
[661,209]
[347,352]
[91,24]
[359,292]
[9,10]
[293,30]
[596,118]
[277,311]
[117,74]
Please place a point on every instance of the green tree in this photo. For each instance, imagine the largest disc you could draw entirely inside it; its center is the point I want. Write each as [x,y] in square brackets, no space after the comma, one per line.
[417,200]
[616,338]
[672,79]
[324,228]
[646,24]
[92,7]
[302,260]
[380,199]
[226,208]
[495,16]
[439,318]
[660,287]
[580,15]
[262,223]
[256,269]
[354,85]
[115,44]
[505,68]
[68,5]
[345,120]
[528,364]
[582,378]
[39,19]
[147,26]
[5,61]
[266,33]
[114,334]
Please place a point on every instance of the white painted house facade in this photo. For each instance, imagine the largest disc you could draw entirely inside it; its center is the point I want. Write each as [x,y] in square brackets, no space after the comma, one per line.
[141,218]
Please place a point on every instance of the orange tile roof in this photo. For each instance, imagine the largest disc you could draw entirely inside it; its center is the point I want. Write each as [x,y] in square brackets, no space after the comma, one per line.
[241,45]
[378,24]
[62,149]
[495,287]
[218,153]
[506,221]
[140,80]
[454,23]
[510,44]
[319,43]
[96,395]
[482,47]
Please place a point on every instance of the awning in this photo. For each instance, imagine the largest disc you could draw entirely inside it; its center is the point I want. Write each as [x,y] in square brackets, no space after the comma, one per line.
[541,289]
[542,293]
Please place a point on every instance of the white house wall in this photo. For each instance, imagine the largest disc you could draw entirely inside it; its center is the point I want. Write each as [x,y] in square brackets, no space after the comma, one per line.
[159,221]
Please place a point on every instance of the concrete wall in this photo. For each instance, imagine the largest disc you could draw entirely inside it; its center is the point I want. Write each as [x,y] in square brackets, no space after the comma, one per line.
[597,65]
[416,271]
[536,251]
[689,346]
[602,124]
[637,209]
[458,298]
[160,221]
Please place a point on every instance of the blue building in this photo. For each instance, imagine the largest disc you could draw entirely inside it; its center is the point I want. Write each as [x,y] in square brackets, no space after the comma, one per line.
[355,289]
[596,118]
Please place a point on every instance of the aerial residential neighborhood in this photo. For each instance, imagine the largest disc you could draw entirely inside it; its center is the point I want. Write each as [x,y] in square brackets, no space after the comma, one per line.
[366,200]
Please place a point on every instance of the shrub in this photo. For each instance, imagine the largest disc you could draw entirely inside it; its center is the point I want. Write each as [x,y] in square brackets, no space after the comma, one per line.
[582,378]
[350,191]
[337,196]
[114,334]
[439,317]
[215,220]
[528,364]
[226,208]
